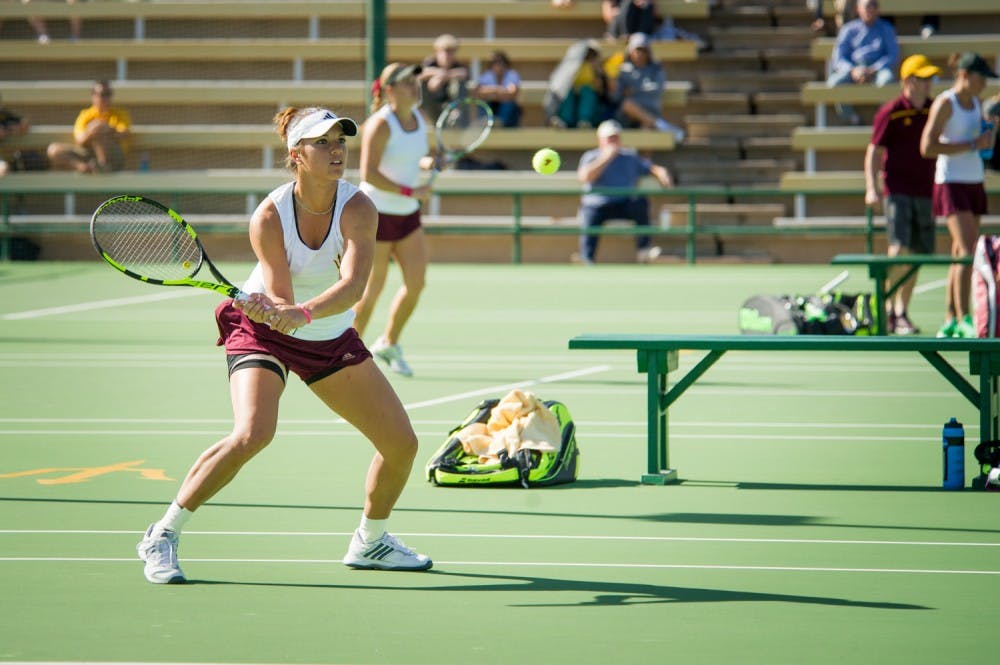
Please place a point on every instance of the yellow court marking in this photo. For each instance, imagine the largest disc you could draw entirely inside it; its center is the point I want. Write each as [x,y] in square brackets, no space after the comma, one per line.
[84,474]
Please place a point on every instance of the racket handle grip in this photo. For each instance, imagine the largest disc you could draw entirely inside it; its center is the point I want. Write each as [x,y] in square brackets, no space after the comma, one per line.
[241,296]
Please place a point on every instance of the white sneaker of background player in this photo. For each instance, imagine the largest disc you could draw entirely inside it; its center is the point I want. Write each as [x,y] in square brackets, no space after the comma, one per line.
[159,550]
[993,477]
[392,355]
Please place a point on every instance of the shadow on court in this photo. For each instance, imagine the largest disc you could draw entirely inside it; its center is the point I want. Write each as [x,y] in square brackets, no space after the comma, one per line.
[604,594]
[745,519]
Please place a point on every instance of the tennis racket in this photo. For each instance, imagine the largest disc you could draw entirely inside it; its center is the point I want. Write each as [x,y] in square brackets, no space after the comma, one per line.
[151,243]
[462,126]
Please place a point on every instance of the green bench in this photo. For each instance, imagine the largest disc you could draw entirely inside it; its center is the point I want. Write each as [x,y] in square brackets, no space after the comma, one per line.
[878,270]
[657,356]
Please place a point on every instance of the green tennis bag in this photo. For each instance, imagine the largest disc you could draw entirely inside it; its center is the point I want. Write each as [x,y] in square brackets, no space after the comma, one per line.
[451,465]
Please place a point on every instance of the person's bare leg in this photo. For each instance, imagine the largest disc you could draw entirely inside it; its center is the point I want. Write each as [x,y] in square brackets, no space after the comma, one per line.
[412,256]
[254,393]
[376,283]
[363,397]
[968,233]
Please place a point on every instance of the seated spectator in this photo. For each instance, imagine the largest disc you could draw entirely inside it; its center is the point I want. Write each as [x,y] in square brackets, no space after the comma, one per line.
[443,78]
[500,87]
[611,165]
[577,93]
[623,18]
[843,12]
[11,124]
[866,51]
[42,29]
[639,89]
[101,136]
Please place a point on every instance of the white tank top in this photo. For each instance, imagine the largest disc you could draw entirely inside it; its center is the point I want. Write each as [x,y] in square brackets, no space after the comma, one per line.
[313,270]
[400,163]
[963,126]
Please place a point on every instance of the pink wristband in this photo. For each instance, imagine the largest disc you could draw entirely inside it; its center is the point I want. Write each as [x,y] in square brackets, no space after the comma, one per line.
[309,318]
[406,191]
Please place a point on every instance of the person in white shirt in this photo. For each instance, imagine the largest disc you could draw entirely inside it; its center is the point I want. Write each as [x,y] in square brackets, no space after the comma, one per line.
[394,152]
[954,135]
[314,239]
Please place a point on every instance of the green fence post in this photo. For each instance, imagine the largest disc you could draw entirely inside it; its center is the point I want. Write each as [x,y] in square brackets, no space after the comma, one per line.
[375,36]
[5,228]
[869,229]
[691,219]
[517,229]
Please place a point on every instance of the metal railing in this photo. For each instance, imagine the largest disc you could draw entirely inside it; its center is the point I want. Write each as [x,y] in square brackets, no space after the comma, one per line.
[690,230]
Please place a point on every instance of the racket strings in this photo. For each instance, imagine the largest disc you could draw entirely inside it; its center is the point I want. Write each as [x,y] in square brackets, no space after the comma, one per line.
[464,127]
[146,240]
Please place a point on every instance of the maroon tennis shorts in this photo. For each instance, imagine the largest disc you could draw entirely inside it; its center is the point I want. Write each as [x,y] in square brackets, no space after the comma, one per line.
[396,227]
[955,197]
[311,360]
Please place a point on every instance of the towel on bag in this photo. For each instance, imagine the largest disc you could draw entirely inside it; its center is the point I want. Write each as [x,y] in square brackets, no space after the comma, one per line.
[519,421]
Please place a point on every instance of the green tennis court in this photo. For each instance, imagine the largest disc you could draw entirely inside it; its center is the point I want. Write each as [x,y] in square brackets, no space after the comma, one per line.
[808,526]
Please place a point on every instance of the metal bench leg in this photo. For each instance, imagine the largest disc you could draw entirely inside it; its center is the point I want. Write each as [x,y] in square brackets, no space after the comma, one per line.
[655,365]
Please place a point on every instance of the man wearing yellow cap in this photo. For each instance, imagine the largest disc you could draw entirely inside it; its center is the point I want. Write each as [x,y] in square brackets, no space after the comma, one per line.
[907,182]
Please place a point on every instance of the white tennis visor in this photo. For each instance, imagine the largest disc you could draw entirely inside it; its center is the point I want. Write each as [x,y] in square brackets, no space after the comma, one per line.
[318,123]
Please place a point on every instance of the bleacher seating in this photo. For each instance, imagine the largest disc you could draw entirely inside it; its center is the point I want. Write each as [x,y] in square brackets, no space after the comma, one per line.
[202,83]
[189,146]
[924,7]
[281,59]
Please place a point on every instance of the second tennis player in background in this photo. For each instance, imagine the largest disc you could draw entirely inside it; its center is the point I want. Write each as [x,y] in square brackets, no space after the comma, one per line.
[314,239]
[394,151]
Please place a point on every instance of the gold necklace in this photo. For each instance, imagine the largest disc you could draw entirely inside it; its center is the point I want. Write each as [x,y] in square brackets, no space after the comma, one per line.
[314,212]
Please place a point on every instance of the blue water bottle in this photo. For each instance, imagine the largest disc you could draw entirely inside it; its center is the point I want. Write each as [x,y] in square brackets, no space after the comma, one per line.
[987,153]
[953,442]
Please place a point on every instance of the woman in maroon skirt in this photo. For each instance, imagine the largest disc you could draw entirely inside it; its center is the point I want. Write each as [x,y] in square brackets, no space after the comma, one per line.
[954,135]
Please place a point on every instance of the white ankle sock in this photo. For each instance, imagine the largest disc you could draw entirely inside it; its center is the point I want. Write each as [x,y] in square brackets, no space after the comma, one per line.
[174,518]
[371,530]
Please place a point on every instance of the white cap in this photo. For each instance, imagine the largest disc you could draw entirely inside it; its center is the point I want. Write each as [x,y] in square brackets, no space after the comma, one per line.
[608,128]
[318,123]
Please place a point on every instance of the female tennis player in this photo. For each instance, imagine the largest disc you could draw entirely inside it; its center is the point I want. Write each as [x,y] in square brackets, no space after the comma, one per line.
[954,135]
[394,150]
[314,239]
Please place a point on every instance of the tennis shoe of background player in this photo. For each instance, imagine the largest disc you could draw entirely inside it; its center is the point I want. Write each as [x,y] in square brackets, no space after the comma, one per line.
[392,355]
[159,550]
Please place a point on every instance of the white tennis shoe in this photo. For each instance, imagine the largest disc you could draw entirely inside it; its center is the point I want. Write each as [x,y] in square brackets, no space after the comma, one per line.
[392,355]
[159,551]
[386,553]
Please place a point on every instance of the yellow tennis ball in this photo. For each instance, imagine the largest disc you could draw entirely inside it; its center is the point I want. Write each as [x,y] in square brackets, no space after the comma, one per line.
[546,161]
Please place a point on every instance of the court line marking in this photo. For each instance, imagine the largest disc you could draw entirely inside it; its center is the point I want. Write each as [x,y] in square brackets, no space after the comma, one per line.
[507,387]
[588,423]
[99,304]
[514,536]
[541,564]
[421,433]
[929,286]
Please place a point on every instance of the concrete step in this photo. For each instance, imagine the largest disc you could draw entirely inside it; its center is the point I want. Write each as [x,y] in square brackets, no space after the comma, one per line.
[793,16]
[779,57]
[704,103]
[788,80]
[731,59]
[735,15]
[768,147]
[744,125]
[776,102]
[707,148]
[742,172]
[724,38]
